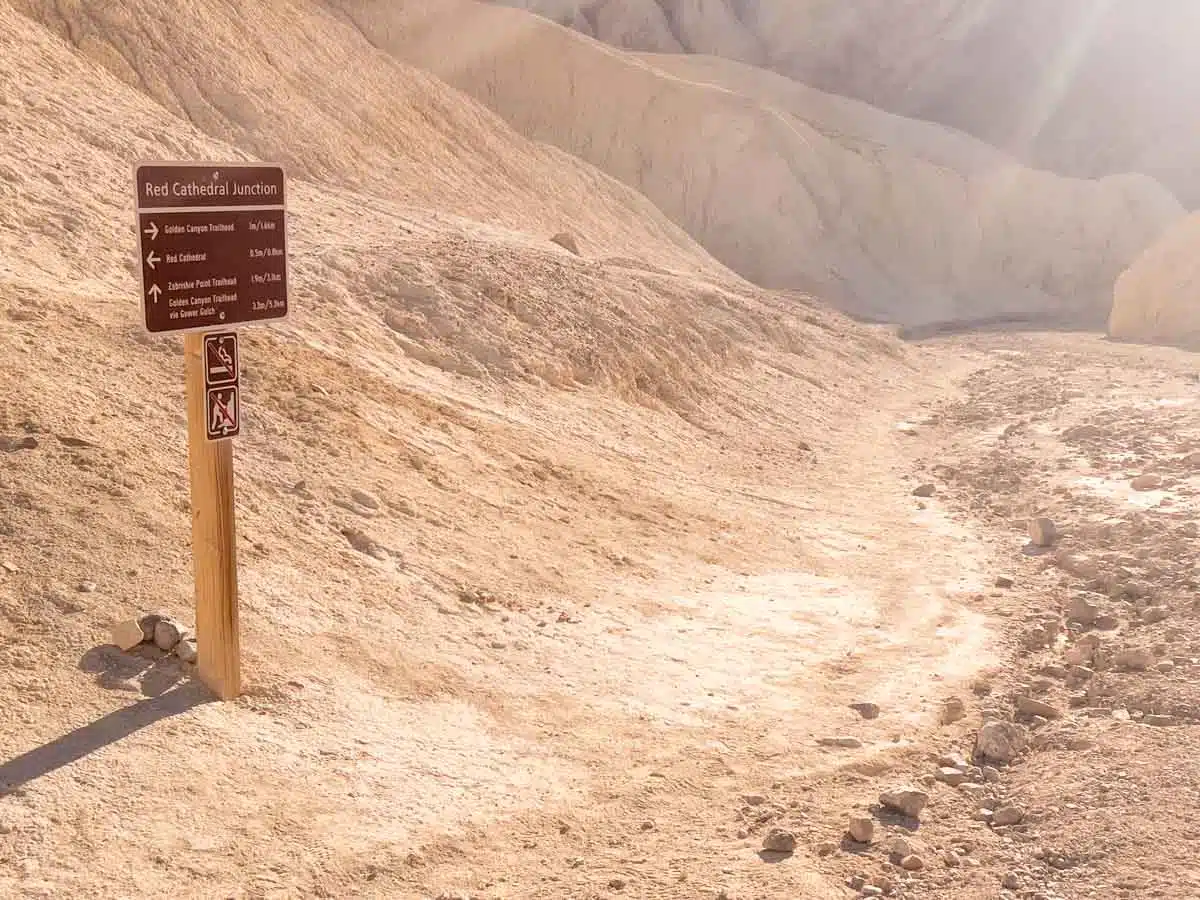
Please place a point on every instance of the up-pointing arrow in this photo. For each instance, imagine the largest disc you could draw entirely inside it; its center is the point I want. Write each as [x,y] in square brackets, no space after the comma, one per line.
[154,291]
[152,231]
[151,259]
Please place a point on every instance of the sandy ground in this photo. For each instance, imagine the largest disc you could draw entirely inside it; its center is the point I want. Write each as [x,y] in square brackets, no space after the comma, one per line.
[602,739]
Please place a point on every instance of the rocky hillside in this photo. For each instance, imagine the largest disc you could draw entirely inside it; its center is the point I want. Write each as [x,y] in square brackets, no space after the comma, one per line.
[1157,299]
[794,188]
[1080,87]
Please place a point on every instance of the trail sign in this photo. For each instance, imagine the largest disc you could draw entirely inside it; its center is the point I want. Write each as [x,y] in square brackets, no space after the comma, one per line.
[212,244]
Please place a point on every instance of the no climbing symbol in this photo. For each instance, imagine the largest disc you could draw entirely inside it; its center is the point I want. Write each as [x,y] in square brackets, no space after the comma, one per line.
[224,419]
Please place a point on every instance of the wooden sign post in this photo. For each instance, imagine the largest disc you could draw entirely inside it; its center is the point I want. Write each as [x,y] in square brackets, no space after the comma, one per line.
[213,247]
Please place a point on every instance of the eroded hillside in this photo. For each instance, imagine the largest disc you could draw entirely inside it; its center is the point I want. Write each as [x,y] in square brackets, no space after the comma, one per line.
[1080,87]
[794,189]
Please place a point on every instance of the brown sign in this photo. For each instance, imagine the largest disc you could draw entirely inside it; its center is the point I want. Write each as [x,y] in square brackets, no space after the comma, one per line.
[212,238]
[223,401]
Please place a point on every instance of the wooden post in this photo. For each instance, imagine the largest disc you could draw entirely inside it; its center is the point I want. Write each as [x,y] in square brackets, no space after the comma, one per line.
[214,539]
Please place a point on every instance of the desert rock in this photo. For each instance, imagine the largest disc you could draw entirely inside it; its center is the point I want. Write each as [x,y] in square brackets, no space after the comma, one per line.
[1001,742]
[779,840]
[167,634]
[1042,532]
[906,800]
[128,635]
[862,829]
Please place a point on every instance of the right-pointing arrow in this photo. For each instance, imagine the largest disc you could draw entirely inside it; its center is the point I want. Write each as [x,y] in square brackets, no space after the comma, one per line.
[154,291]
[152,231]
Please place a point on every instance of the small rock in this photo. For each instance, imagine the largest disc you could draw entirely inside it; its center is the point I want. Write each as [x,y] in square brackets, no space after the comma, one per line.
[1158,721]
[901,847]
[906,800]
[754,799]
[1136,659]
[1147,482]
[566,241]
[362,498]
[1011,881]
[167,634]
[953,761]
[924,490]
[1082,610]
[186,650]
[1153,614]
[87,587]
[862,829]
[991,775]
[128,634]
[953,709]
[1108,623]
[1042,532]
[779,840]
[1001,742]
[866,710]
[1121,715]
[912,863]
[983,814]
[856,882]
[148,624]
[1032,707]
[884,883]
[952,777]
[848,743]
[1003,581]
[10,568]
[1055,671]
[951,859]
[870,890]
[975,791]
[1008,815]
[826,848]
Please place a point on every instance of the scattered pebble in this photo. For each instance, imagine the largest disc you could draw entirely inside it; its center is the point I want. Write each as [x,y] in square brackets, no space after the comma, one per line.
[912,863]
[952,777]
[166,634]
[87,587]
[953,709]
[1082,610]
[1008,815]
[1001,742]
[991,775]
[128,635]
[866,710]
[826,848]
[1153,614]
[906,800]
[186,650]
[1003,581]
[1136,659]
[924,490]
[862,829]
[1042,532]
[849,743]
[779,840]
[1147,482]
[1032,707]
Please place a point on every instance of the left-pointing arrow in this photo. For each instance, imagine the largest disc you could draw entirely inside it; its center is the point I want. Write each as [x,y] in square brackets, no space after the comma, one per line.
[151,259]
[154,291]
